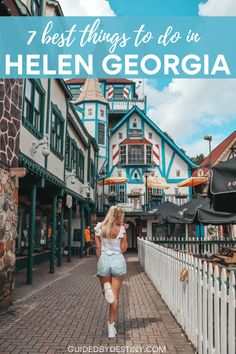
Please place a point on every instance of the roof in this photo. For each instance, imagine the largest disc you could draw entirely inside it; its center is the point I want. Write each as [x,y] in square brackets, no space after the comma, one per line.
[135,141]
[157,130]
[91,92]
[217,154]
[107,80]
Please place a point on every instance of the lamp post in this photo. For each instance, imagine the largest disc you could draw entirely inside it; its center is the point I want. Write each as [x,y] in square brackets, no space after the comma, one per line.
[146,174]
[209,139]
[103,176]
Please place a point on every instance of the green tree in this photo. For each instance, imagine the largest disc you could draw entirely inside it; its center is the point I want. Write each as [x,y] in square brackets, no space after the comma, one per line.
[198,159]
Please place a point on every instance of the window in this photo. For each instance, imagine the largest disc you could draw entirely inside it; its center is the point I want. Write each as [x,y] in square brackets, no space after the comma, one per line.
[81,166]
[74,152]
[112,189]
[122,194]
[136,175]
[150,135]
[33,107]
[101,133]
[92,173]
[136,154]
[120,135]
[75,91]
[67,152]
[148,154]
[118,93]
[177,173]
[102,112]
[90,112]
[123,154]
[57,131]
[135,123]
[36,7]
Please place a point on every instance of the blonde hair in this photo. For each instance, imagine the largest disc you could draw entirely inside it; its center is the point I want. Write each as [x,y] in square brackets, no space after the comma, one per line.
[113,214]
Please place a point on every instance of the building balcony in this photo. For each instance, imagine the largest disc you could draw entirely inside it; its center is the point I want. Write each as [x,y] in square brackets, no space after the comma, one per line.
[122,105]
[135,203]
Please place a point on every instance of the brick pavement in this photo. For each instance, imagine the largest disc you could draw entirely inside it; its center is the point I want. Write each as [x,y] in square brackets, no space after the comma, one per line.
[68,309]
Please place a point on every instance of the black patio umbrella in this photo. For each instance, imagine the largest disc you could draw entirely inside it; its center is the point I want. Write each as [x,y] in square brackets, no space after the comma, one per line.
[166,209]
[189,208]
[207,215]
[190,213]
[222,187]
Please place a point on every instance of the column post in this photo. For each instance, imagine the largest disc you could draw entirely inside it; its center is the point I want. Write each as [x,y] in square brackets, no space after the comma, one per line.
[31,234]
[54,234]
[82,231]
[59,258]
[69,235]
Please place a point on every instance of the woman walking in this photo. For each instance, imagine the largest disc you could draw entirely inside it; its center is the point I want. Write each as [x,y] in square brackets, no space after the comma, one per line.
[111,243]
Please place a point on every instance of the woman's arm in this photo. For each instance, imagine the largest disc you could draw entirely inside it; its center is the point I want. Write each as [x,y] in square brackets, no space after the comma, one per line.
[124,244]
[98,246]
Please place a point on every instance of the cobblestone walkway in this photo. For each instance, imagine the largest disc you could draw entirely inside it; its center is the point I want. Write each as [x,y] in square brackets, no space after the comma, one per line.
[64,311]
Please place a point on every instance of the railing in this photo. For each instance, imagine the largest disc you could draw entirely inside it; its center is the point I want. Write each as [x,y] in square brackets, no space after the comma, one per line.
[126,105]
[203,304]
[196,246]
[135,204]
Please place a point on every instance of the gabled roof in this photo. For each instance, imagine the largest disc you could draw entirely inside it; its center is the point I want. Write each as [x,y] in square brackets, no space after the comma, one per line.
[91,92]
[217,154]
[157,130]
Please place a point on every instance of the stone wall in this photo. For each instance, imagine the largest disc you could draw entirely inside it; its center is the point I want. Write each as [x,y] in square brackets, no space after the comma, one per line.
[10,115]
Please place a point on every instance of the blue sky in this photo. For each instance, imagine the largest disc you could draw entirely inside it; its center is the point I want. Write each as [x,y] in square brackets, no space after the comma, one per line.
[155,7]
[187,109]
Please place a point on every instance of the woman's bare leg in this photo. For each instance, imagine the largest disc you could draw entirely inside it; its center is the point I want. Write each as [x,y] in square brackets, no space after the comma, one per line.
[113,308]
[104,280]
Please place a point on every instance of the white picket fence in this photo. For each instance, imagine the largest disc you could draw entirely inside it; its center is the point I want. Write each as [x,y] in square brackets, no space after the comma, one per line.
[204,304]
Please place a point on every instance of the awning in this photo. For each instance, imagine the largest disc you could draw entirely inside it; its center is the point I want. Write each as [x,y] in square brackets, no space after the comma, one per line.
[110,181]
[222,188]
[193,181]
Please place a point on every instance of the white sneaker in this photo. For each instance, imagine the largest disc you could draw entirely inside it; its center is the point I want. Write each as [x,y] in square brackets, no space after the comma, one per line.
[108,293]
[114,327]
[111,330]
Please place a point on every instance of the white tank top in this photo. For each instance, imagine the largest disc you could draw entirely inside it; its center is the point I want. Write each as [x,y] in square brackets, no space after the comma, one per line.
[110,246]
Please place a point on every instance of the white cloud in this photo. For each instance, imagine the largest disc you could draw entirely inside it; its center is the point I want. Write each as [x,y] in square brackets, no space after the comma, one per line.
[217,8]
[186,106]
[86,8]
[201,146]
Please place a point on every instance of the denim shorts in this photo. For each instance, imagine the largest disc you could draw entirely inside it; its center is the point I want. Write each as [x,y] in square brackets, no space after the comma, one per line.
[113,264]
